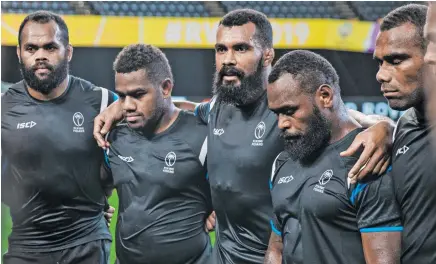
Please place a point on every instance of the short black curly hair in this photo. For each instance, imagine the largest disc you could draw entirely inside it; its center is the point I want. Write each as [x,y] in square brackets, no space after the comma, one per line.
[311,70]
[239,17]
[411,13]
[44,17]
[141,56]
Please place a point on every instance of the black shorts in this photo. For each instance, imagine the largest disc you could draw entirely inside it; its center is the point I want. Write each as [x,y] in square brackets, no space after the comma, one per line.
[94,252]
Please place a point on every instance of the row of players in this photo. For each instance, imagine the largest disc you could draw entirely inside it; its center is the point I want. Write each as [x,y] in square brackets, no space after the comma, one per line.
[332,196]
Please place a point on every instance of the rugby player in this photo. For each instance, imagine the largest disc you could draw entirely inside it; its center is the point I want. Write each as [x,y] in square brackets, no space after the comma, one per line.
[243,138]
[400,49]
[430,71]
[157,163]
[320,217]
[50,163]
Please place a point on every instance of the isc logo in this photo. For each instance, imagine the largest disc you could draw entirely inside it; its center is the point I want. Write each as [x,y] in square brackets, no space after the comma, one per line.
[285,179]
[26,125]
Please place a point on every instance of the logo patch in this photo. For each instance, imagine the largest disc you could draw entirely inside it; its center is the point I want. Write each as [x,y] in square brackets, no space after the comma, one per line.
[323,180]
[126,159]
[285,179]
[402,150]
[78,121]
[259,131]
[170,160]
[26,125]
[218,132]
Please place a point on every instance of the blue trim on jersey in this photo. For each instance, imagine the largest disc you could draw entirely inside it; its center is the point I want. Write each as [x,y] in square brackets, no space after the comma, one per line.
[270,185]
[274,229]
[356,191]
[389,169]
[207,176]
[115,97]
[196,110]
[106,159]
[382,229]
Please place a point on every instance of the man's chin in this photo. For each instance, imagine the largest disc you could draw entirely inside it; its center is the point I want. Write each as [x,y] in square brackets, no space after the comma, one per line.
[398,104]
[135,125]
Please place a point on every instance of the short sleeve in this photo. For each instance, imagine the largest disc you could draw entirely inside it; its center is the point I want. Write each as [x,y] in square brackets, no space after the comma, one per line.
[377,208]
[202,112]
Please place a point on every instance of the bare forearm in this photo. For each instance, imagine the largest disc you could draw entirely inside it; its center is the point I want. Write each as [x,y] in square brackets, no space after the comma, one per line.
[275,247]
[369,120]
[382,248]
[273,256]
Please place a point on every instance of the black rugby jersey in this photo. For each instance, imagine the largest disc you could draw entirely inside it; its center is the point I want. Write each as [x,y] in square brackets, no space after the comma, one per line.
[414,177]
[320,216]
[51,167]
[164,196]
[242,145]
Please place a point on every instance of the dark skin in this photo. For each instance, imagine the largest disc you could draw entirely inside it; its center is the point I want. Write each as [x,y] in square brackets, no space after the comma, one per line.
[293,108]
[238,47]
[139,98]
[430,71]
[43,43]
[400,58]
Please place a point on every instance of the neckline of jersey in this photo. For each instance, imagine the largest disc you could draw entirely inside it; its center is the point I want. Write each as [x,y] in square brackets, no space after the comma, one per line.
[54,100]
[163,133]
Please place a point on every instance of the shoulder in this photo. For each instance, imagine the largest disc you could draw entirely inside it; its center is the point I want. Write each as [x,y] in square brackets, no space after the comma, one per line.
[119,131]
[405,123]
[15,95]
[192,131]
[84,90]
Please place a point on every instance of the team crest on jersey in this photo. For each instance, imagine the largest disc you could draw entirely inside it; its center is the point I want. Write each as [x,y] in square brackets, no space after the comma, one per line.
[170,160]
[78,121]
[323,180]
[259,131]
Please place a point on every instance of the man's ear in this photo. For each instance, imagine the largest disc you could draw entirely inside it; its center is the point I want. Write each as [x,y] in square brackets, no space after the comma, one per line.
[167,88]
[325,95]
[69,52]
[19,53]
[268,57]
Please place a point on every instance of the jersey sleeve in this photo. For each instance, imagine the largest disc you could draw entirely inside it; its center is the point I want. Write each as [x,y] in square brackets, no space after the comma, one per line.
[202,112]
[377,208]
[107,98]
[276,227]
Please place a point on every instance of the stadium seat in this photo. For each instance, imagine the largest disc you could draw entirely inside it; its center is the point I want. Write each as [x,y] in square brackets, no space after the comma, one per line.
[21,7]
[291,9]
[374,10]
[149,8]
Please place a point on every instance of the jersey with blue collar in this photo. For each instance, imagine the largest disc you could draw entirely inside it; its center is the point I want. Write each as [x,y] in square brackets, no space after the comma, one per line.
[320,215]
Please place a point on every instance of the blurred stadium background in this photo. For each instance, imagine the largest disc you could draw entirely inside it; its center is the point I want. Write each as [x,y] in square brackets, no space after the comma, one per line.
[343,32]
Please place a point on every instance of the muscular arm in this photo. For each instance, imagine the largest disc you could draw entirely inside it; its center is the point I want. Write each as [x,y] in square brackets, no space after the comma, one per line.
[382,247]
[275,248]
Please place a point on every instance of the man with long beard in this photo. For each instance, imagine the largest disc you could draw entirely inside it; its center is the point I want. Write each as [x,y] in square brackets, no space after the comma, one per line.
[243,138]
[51,166]
[340,222]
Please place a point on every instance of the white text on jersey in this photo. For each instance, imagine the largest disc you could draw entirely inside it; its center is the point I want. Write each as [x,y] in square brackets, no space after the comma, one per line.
[285,179]
[26,125]
[218,132]
[126,159]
